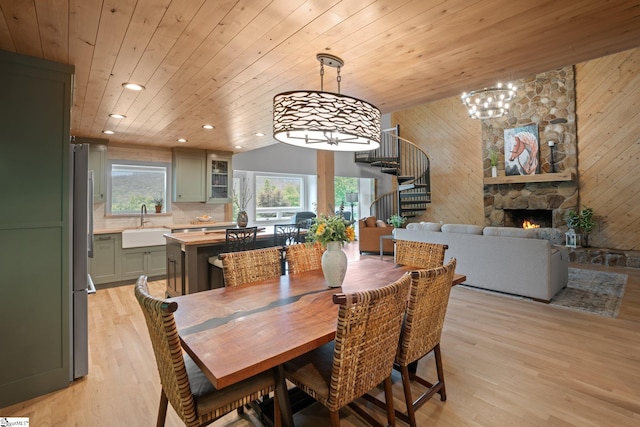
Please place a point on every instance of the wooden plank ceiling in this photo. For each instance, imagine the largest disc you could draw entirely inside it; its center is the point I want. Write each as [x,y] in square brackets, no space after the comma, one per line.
[221,61]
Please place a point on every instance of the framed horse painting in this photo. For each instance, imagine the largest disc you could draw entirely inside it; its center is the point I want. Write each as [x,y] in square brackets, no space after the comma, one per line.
[522,150]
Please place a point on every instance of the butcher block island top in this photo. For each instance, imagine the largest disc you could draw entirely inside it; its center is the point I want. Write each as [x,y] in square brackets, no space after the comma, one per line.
[210,237]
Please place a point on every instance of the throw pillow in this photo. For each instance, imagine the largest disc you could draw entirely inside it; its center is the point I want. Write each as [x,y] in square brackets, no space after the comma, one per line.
[510,232]
[380,223]
[370,221]
[431,226]
[462,228]
[553,235]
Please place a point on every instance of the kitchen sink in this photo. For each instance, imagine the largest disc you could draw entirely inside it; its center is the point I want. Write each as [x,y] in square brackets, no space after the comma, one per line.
[139,237]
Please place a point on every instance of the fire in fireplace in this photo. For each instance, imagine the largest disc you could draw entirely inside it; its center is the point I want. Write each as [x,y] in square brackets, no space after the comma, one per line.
[528,218]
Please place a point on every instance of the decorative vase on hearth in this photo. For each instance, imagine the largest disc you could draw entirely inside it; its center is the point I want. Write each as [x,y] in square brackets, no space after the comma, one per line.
[242,219]
[334,264]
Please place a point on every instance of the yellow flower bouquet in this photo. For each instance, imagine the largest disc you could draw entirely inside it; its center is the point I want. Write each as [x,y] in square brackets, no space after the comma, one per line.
[326,229]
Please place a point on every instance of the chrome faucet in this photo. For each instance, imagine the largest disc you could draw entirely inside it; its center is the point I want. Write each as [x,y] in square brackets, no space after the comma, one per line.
[143,211]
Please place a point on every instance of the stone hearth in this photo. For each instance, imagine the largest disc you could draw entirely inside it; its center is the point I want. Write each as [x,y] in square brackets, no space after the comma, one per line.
[603,256]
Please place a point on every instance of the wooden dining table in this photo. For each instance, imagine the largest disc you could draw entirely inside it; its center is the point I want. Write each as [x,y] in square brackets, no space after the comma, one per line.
[235,333]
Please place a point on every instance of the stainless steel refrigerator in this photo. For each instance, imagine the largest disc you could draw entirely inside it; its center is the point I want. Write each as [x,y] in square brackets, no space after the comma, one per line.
[82,250]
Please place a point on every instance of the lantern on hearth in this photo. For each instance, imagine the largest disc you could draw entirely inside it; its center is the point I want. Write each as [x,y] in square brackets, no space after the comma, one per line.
[572,239]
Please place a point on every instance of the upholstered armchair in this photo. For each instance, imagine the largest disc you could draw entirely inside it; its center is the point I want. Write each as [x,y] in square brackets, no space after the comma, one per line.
[369,231]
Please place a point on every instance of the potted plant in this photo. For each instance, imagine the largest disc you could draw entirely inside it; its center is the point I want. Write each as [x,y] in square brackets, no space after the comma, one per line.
[583,221]
[158,203]
[493,159]
[397,221]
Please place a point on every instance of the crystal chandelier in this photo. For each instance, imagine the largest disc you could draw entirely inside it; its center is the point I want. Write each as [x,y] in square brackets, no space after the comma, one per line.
[490,102]
[326,120]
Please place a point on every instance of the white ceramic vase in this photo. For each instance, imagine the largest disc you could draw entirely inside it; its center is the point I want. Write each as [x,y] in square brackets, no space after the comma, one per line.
[334,264]
[494,171]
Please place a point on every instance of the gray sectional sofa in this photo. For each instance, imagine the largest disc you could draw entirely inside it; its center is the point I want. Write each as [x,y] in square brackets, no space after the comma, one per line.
[529,263]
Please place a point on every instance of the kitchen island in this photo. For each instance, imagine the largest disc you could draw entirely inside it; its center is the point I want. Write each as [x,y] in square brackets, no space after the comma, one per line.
[188,257]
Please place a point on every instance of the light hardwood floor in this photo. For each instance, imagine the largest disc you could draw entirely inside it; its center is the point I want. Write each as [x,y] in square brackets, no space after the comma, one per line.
[508,362]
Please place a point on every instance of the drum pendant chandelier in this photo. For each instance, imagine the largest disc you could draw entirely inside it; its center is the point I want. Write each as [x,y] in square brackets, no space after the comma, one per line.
[326,120]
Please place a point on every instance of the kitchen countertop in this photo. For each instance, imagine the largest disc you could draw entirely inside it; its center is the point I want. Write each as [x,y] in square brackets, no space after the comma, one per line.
[211,237]
[170,227]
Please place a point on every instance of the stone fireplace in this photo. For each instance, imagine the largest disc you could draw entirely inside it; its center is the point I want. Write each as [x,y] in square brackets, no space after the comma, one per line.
[548,100]
[548,200]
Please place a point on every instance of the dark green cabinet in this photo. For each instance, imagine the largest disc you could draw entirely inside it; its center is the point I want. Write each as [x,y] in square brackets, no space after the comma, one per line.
[175,271]
[35,227]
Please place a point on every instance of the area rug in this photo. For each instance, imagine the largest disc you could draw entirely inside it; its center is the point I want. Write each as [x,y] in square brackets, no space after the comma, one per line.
[592,291]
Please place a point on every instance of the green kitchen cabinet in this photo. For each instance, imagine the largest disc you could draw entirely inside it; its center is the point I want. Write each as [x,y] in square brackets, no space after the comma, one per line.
[98,164]
[219,177]
[105,266]
[189,169]
[35,227]
[149,261]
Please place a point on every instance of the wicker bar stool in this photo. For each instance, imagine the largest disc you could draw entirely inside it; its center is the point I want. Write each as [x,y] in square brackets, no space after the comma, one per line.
[304,257]
[362,354]
[426,309]
[196,401]
[244,267]
[420,254]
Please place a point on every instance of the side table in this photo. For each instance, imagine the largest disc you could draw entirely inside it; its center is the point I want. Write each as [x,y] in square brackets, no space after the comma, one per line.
[387,237]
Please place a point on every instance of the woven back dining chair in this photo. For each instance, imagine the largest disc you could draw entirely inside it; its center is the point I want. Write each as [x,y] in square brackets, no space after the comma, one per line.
[421,255]
[285,235]
[304,257]
[196,401]
[426,310]
[362,354]
[244,267]
[421,332]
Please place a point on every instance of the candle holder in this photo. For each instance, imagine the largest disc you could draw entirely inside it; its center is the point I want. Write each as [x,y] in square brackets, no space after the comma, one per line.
[552,163]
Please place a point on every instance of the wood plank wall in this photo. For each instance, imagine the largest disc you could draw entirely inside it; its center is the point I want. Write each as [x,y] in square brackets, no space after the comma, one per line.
[608,121]
[608,117]
[453,143]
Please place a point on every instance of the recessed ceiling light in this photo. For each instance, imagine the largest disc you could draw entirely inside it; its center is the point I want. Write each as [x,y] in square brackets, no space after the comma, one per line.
[182,140]
[117,116]
[208,126]
[108,132]
[238,146]
[259,134]
[132,86]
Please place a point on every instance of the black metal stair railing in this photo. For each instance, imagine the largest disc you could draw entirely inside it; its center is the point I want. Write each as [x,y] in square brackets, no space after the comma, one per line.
[410,165]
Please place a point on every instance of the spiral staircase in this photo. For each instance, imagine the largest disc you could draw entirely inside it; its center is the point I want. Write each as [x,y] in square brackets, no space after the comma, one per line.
[410,166]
